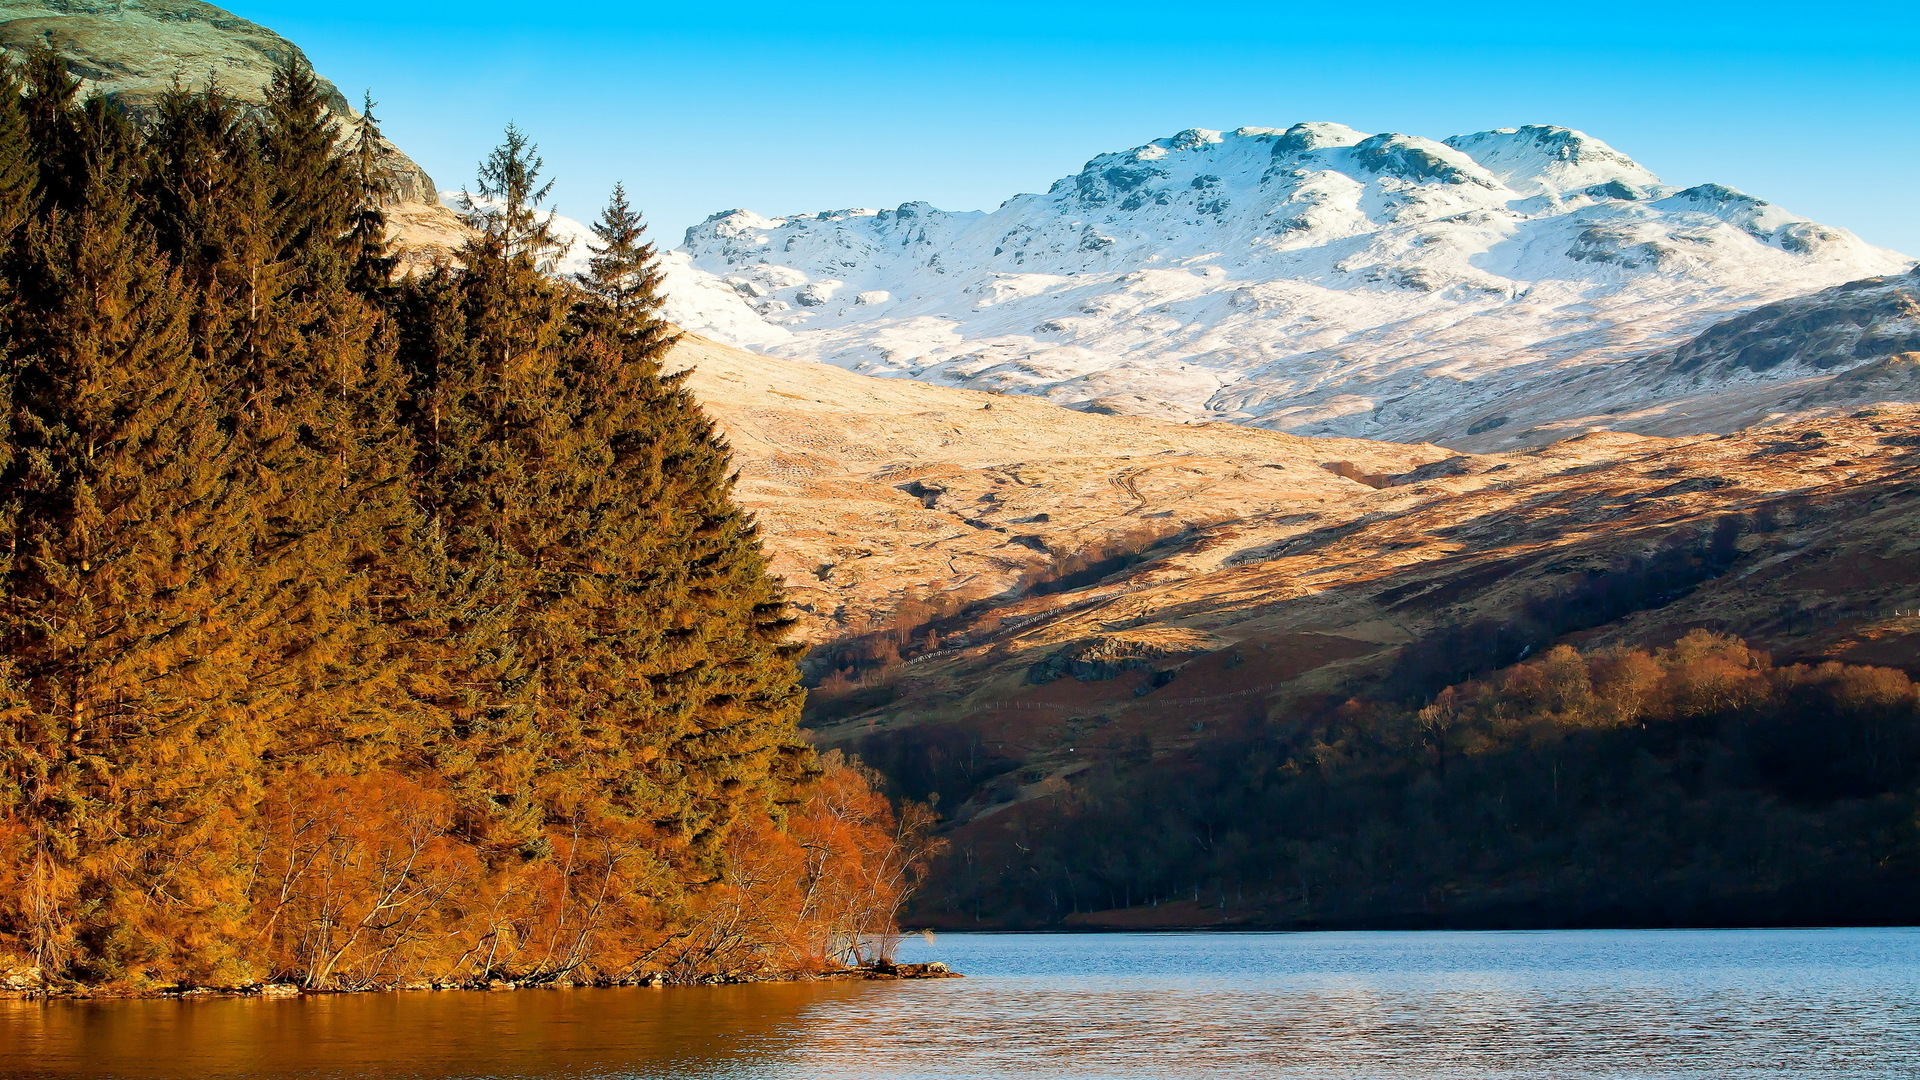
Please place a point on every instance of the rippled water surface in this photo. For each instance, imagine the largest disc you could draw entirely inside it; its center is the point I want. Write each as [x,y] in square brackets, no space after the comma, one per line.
[1587,1004]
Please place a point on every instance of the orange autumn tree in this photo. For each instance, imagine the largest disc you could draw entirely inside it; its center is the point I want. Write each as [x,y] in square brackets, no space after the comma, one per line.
[364,633]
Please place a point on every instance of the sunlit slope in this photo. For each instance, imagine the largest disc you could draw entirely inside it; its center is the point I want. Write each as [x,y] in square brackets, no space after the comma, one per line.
[870,490]
[1803,539]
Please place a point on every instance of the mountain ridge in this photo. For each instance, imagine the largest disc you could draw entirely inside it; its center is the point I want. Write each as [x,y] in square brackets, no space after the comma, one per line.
[1311,279]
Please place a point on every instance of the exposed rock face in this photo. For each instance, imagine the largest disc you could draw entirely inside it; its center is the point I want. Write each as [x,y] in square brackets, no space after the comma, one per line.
[1823,354]
[1109,656]
[1837,328]
[135,50]
[1315,280]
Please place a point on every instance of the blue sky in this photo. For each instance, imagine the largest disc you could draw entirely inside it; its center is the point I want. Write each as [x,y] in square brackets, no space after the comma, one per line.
[789,107]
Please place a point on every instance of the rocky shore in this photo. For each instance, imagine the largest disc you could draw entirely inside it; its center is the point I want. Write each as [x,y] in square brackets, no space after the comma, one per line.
[30,982]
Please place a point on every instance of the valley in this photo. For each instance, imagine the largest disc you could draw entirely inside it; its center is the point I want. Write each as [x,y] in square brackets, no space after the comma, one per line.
[1269,579]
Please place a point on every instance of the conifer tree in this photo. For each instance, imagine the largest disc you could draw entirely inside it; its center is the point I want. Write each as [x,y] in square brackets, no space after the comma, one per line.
[508,209]
[313,196]
[329,450]
[373,265]
[17,174]
[701,621]
[488,405]
[48,103]
[18,180]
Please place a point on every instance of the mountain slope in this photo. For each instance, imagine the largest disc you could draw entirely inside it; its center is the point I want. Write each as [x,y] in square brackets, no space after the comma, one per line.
[135,50]
[1800,539]
[878,492]
[1265,578]
[1312,279]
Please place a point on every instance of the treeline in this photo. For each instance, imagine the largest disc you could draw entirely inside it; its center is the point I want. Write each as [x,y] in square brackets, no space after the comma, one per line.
[1698,784]
[360,631]
[1641,581]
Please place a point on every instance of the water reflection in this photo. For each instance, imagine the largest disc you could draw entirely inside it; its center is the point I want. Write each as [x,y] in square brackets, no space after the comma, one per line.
[1591,1005]
[695,1032]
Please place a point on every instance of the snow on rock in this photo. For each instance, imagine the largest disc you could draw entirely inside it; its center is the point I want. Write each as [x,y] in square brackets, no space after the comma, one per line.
[1315,279]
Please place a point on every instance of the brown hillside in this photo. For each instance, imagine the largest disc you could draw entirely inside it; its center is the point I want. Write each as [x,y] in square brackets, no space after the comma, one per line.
[1290,568]
[873,489]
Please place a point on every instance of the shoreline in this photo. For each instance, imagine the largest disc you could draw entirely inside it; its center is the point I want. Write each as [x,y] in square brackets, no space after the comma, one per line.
[877,972]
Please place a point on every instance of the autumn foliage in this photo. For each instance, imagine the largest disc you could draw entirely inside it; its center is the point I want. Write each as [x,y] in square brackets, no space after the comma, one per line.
[361,632]
[1695,784]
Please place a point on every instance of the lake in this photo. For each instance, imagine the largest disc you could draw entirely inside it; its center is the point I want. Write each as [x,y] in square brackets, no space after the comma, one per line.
[1586,1004]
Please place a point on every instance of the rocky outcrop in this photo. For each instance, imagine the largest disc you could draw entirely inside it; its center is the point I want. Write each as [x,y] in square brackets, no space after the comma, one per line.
[1827,353]
[1109,656]
[1832,330]
[135,50]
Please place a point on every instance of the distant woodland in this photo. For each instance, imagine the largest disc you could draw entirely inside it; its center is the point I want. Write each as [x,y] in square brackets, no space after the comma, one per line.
[1698,784]
[361,631]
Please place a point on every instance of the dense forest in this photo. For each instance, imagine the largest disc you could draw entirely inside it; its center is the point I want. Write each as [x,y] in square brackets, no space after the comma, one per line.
[1697,784]
[364,631]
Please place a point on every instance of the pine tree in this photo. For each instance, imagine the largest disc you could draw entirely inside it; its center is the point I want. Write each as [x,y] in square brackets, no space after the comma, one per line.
[313,190]
[488,405]
[18,182]
[507,210]
[53,129]
[18,177]
[373,265]
[328,449]
[703,689]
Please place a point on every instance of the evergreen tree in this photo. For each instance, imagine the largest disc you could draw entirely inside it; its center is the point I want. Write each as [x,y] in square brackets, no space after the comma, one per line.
[488,408]
[17,174]
[53,129]
[313,191]
[507,211]
[705,691]
[373,265]
[329,450]
[18,181]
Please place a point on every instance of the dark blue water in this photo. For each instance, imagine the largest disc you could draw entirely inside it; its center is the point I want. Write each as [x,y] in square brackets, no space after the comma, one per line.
[1590,1005]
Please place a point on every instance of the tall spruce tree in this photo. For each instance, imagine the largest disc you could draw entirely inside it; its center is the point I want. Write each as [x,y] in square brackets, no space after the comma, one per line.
[373,263]
[327,445]
[488,407]
[18,181]
[17,174]
[50,105]
[704,687]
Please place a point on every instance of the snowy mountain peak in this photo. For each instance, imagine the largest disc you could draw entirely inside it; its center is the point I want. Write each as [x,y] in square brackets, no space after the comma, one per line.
[1540,159]
[1303,137]
[1417,160]
[1312,278]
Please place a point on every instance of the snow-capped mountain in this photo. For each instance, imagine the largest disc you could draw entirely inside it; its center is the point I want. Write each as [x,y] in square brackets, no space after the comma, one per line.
[1313,279]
